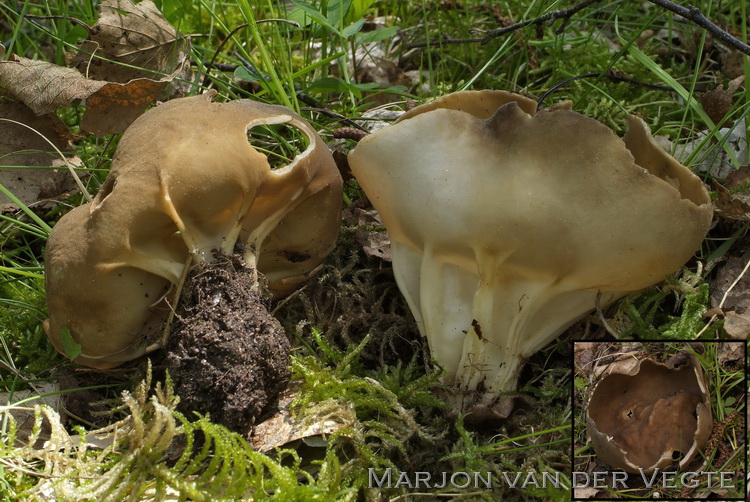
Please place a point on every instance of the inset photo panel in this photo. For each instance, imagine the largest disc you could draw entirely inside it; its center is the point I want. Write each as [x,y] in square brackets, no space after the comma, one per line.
[660,420]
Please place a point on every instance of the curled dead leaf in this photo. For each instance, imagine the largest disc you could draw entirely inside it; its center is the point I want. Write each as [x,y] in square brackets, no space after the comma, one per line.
[115,106]
[370,233]
[130,58]
[44,87]
[734,302]
[717,102]
[732,198]
[130,41]
[284,427]
[29,166]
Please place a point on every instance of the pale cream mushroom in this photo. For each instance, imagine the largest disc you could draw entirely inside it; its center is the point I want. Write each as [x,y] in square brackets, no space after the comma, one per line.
[506,223]
[650,417]
[184,182]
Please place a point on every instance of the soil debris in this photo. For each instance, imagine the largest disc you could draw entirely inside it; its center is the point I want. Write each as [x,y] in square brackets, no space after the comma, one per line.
[228,356]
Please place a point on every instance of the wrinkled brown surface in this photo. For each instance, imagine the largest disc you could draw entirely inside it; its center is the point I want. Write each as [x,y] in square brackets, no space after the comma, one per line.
[648,430]
[226,354]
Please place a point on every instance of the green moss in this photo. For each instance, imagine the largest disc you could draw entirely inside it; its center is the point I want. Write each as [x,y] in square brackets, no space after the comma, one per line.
[649,314]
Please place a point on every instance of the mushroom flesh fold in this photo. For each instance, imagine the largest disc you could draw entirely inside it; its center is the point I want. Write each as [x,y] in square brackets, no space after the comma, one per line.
[650,417]
[506,222]
[185,182]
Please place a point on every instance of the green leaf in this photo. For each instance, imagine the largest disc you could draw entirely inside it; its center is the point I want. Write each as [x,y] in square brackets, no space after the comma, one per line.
[352,29]
[315,15]
[337,12]
[71,347]
[328,85]
[245,75]
[377,35]
[358,7]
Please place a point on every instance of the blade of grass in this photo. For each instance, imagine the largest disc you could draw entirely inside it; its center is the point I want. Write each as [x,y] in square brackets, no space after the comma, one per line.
[47,229]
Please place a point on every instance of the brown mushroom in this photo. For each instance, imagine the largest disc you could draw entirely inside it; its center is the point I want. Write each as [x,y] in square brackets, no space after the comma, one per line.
[184,182]
[651,416]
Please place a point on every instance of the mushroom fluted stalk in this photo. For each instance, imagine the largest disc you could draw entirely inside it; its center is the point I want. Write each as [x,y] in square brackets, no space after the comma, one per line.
[185,182]
[506,222]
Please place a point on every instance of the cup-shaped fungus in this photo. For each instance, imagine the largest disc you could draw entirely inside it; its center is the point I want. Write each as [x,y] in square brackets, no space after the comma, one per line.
[506,223]
[185,182]
[650,417]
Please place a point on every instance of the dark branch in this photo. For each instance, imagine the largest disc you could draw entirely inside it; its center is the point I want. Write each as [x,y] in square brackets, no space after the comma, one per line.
[550,17]
[695,15]
[610,75]
[209,65]
[690,13]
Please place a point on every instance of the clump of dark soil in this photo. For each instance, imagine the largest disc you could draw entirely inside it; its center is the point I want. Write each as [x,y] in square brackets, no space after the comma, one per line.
[228,356]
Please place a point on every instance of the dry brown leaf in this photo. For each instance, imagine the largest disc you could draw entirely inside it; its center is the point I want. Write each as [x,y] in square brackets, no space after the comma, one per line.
[283,428]
[46,393]
[734,64]
[115,106]
[718,102]
[142,48]
[370,234]
[624,358]
[44,87]
[588,492]
[584,354]
[732,354]
[21,146]
[130,41]
[736,306]
[733,197]
[737,325]
[110,107]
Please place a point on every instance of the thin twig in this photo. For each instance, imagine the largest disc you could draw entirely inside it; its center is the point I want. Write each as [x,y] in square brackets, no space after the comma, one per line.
[210,64]
[724,298]
[690,13]
[694,14]
[610,75]
[277,20]
[302,96]
[550,17]
[72,19]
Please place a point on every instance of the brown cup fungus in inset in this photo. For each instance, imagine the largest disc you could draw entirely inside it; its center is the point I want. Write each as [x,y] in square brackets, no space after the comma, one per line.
[651,417]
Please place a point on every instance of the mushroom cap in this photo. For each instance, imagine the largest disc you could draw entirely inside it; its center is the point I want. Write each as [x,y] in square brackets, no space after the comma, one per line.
[505,226]
[555,194]
[650,416]
[185,181]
